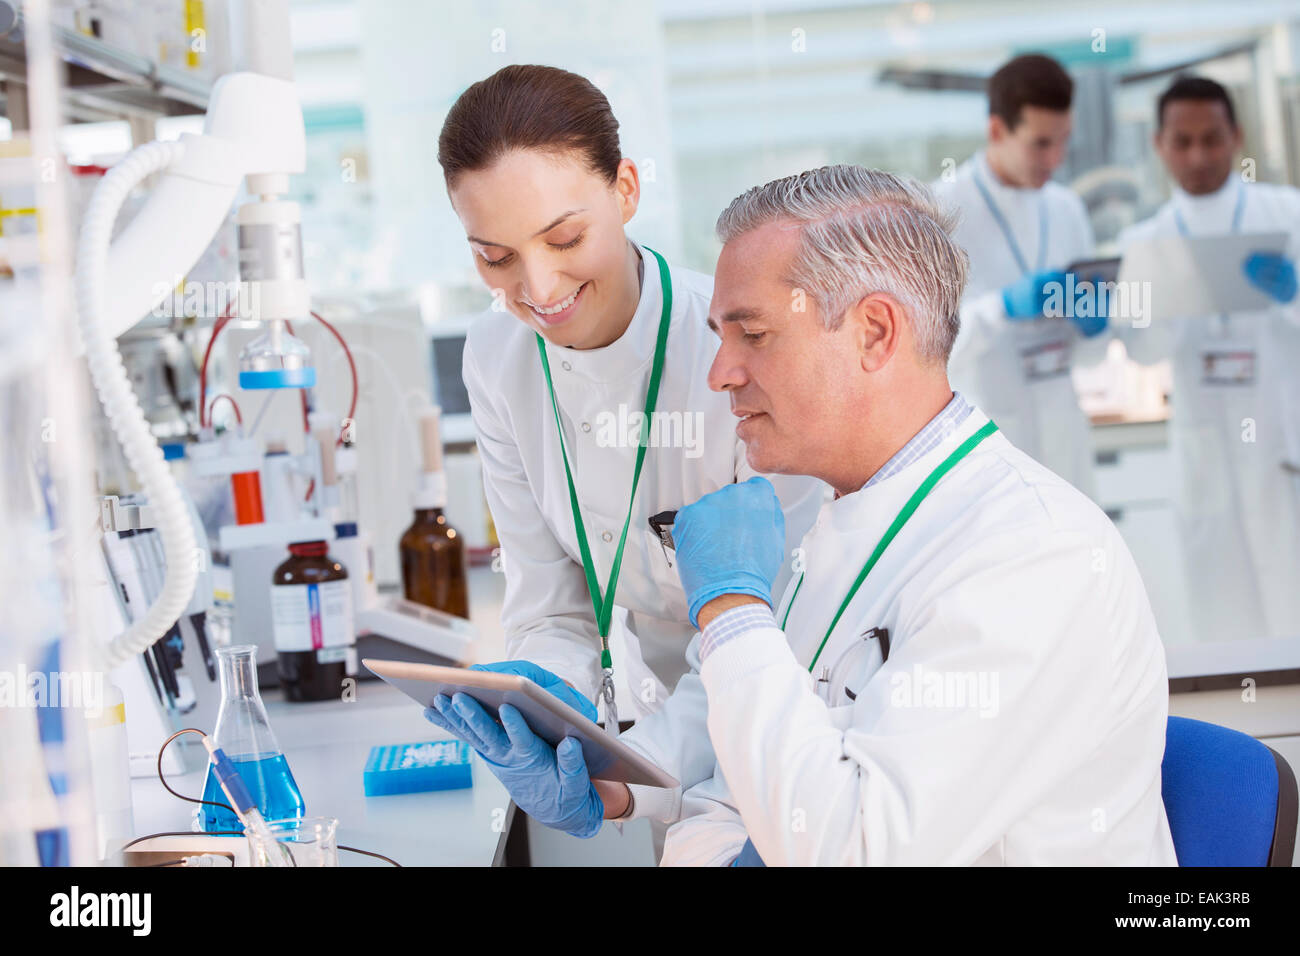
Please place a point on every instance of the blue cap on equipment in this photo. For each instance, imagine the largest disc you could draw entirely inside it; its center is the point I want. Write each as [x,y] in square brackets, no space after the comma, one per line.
[278,378]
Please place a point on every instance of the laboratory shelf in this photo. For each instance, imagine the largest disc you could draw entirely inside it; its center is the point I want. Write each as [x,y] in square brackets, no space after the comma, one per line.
[103,82]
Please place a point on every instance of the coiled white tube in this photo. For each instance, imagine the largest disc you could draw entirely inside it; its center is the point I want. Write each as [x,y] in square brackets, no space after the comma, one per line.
[122,408]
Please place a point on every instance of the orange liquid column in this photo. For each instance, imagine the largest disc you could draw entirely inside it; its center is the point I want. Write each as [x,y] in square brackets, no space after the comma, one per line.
[247,488]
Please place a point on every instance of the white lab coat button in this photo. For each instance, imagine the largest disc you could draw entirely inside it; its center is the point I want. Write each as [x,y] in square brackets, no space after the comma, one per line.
[607,536]
[586,426]
[568,367]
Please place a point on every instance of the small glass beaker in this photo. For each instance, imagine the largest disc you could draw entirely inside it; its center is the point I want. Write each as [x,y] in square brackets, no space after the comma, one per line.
[300,841]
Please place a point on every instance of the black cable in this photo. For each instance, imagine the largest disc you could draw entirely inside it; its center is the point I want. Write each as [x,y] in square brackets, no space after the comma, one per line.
[181,796]
[353,849]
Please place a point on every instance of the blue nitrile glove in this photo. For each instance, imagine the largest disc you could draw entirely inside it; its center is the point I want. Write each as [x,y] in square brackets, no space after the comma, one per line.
[1272,274]
[545,680]
[1025,298]
[731,541]
[1094,324]
[550,784]
[748,856]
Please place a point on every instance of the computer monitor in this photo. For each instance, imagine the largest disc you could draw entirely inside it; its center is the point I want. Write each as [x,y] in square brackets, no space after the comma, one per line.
[446,349]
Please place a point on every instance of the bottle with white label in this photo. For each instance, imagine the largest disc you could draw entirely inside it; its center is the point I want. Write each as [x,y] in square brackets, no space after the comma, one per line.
[311,613]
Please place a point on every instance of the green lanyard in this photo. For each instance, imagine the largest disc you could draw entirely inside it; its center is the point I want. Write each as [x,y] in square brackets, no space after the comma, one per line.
[912,504]
[604,607]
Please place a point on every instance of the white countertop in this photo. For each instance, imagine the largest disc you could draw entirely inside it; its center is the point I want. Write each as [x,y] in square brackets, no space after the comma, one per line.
[327,744]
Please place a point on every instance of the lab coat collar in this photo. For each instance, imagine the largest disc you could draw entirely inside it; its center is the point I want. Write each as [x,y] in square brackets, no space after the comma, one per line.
[629,354]
[996,187]
[1217,204]
[877,505]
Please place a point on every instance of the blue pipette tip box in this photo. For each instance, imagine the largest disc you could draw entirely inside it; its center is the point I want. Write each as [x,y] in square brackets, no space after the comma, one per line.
[417,768]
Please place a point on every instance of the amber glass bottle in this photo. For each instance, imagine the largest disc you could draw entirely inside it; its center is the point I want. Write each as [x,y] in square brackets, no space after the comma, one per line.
[432,551]
[433,563]
[311,610]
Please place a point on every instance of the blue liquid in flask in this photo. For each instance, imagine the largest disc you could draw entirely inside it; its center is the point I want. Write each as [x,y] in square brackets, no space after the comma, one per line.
[271,784]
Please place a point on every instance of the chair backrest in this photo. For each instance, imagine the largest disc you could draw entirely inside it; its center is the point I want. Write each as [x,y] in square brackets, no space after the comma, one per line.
[1230,799]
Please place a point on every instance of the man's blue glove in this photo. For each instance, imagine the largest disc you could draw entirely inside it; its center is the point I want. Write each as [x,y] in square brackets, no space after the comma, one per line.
[1091,321]
[550,784]
[1027,297]
[731,541]
[748,856]
[1272,274]
[545,680]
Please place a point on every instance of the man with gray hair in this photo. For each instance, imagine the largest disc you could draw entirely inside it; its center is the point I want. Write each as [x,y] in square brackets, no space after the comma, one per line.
[964,668]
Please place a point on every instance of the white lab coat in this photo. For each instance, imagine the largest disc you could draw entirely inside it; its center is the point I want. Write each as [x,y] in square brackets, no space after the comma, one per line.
[1236,445]
[1004,574]
[1019,372]
[547,613]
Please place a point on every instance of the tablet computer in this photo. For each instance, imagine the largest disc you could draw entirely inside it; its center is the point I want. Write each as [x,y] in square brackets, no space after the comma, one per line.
[549,717]
[1086,270]
[1198,275]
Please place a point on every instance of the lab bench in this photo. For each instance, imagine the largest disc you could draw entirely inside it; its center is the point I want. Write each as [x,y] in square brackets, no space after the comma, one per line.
[326,744]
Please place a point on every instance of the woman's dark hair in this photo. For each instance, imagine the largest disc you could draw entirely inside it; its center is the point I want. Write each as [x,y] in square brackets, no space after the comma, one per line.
[1029,80]
[529,107]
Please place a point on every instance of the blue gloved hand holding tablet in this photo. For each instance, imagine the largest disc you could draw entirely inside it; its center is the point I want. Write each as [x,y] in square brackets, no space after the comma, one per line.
[548,783]
[545,680]
[535,733]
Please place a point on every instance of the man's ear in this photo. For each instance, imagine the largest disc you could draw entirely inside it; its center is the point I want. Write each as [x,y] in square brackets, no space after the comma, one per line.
[1238,139]
[877,329]
[997,129]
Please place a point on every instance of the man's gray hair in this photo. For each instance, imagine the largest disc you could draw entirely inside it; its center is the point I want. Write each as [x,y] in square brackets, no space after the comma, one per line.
[865,231]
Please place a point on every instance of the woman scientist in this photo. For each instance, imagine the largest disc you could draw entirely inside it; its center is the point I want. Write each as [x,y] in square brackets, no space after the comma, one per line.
[590,334]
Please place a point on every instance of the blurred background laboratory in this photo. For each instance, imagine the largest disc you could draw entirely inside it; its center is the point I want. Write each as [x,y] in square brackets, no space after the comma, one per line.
[279,475]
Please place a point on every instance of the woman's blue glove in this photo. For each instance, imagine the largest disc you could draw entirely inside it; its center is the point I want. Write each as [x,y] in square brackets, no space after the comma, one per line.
[748,856]
[1026,298]
[1271,273]
[731,541]
[545,680]
[538,675]
[550,784]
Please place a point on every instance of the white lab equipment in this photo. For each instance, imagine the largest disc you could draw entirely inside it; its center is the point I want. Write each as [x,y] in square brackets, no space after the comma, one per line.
[46,505]
[253,130]
[1235,426]
[1019,372]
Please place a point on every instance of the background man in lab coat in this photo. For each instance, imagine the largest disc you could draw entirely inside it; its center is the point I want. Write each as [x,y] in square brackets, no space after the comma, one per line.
[1020,231]
[994,691]
[1235,426]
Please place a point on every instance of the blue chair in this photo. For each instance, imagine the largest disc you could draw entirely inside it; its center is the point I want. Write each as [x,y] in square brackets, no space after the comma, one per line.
[1230,799]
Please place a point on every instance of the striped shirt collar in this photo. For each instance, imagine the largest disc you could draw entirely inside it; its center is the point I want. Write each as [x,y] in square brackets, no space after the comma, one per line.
[926,440]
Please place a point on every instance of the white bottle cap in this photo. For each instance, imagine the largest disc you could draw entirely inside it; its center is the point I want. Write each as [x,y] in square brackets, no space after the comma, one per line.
[431,490]
[431,486]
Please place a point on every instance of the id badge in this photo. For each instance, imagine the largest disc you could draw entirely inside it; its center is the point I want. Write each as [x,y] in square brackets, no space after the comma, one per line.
[1046,358]
[1227,365]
